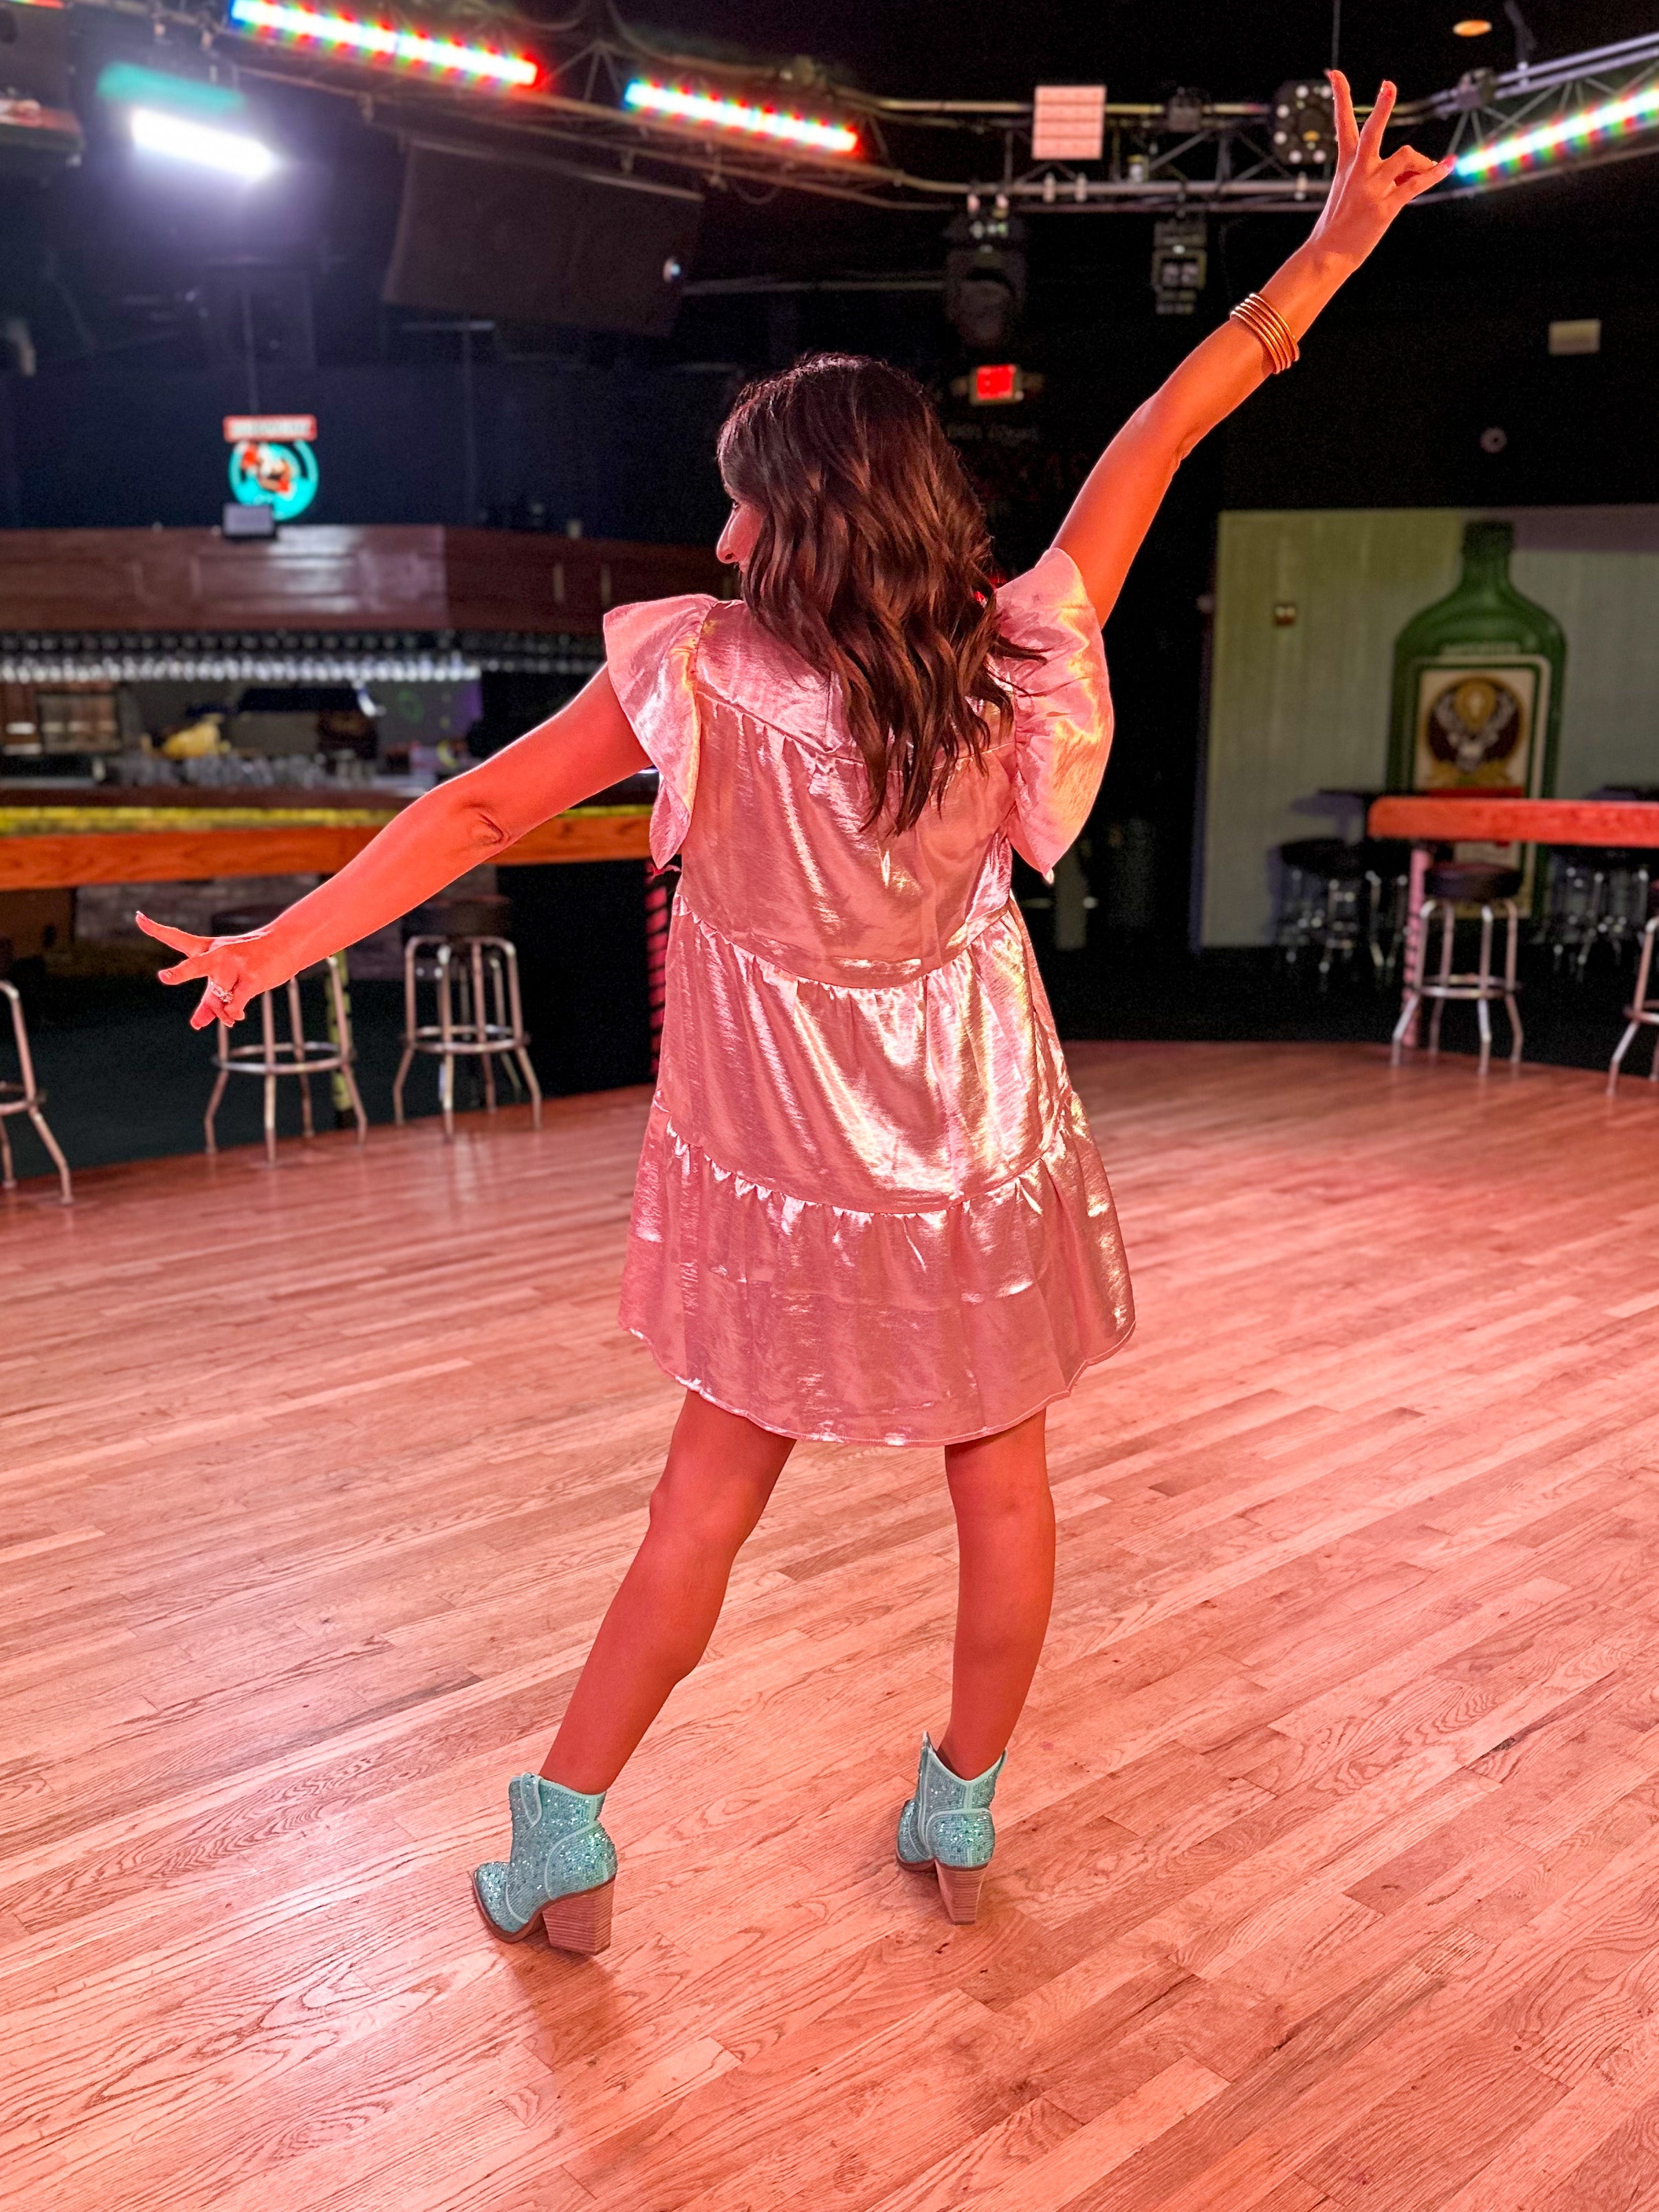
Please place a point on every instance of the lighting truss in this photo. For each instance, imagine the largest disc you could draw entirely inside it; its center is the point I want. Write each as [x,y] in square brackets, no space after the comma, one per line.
[1585,108]
[598,87]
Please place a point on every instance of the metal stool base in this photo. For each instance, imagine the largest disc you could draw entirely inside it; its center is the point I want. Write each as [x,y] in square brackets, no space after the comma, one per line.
[27,1097]
[1480,989]
[295,1055]
[1641,1013]
[480,1017]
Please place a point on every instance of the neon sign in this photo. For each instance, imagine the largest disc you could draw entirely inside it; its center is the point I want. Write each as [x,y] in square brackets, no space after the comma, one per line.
[272,463]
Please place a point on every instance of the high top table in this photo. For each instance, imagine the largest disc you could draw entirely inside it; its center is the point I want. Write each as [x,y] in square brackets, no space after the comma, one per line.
[1427,819]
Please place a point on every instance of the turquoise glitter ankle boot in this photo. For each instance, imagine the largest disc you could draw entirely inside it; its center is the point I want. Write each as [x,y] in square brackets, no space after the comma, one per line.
[563,1867]
[947,1826]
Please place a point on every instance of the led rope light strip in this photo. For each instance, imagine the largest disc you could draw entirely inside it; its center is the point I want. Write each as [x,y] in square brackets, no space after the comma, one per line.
[785,129]
[1639,111]
[380,42]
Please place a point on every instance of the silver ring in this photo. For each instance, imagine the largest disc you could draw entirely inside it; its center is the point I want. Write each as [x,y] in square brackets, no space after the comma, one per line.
[220,993]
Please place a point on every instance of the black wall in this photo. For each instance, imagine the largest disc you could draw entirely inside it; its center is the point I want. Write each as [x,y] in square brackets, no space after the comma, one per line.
[630,452]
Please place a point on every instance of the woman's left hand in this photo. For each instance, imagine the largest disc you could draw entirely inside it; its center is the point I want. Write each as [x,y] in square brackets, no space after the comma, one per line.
[235,968]
[1367,191]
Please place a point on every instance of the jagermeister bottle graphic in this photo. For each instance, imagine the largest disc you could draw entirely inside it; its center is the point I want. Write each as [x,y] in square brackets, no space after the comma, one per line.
[1477,686]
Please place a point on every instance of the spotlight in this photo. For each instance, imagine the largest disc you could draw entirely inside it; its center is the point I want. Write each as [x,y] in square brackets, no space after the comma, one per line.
[1069,122]
[985,276]
[1570,134]
[1471,26]
[1304,125]
[741,117]
[1179,260]
[176,138]
[380,43]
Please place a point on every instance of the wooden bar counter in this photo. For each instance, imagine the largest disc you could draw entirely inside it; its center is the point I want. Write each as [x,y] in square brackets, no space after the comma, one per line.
[56,847]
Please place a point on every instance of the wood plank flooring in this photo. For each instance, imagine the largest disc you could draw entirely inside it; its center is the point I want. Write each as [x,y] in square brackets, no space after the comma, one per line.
[1328,1871]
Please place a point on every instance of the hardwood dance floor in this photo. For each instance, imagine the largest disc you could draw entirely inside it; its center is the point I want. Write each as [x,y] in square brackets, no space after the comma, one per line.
[1328,1872]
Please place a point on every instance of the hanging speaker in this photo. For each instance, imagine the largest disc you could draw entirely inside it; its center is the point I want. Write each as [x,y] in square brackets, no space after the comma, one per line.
[539,242]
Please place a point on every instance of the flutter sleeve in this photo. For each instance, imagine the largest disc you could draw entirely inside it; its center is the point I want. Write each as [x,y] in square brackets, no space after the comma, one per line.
[1062,707]
[651,651]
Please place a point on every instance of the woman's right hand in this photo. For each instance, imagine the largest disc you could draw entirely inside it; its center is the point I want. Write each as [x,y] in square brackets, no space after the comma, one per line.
[235,968]
[1369,190]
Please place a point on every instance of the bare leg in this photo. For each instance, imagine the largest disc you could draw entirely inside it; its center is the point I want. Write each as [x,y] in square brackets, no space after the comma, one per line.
[1004,1587]
[720,1471]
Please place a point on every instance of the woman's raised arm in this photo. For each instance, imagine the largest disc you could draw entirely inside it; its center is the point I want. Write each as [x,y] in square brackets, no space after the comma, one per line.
[1113,511]
[580,749]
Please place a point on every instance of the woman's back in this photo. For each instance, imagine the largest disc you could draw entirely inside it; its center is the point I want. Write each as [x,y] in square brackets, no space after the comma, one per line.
[868,1206]
[767,796]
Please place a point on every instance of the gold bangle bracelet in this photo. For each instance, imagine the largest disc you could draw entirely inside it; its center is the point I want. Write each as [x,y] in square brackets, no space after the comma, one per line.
[1270,329]
[1261,317]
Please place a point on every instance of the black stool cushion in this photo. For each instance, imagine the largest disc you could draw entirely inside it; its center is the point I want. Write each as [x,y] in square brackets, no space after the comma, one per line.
[1474,881]
[1386,856]
[482,913]
[1323,856]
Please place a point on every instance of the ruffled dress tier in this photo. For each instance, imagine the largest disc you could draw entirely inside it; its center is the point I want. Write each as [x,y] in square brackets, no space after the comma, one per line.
[869,1208]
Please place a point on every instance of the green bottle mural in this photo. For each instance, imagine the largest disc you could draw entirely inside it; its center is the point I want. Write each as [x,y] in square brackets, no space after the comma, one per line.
[1477,686]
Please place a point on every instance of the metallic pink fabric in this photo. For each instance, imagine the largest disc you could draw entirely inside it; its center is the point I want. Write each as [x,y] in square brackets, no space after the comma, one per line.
[869,1208]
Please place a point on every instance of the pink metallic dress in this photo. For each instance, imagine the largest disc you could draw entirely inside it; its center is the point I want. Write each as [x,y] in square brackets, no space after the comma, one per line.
[869,1208]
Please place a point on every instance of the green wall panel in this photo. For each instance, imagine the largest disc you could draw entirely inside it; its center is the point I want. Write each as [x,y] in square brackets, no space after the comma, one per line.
[1298,706]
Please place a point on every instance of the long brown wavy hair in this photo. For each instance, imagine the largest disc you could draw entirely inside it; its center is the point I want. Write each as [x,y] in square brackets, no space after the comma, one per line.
[874,561]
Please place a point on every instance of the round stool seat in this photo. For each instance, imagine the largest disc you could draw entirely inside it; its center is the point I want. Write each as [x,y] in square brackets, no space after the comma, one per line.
[1471,882]
[1323,856]
[478,914]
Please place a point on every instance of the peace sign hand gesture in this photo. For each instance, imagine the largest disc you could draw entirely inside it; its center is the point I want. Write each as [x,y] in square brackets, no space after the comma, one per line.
[1367,191]
[235,968]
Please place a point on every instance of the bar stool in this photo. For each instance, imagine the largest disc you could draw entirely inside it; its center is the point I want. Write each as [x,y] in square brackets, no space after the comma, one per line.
[1388,885]
[1642,1011]
[459,946]
[1325,882]
[26,1097]
[1449,885]
[300,1056]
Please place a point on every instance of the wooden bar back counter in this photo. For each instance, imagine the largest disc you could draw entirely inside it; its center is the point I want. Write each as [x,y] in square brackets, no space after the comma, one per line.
[94,607]
[83,612]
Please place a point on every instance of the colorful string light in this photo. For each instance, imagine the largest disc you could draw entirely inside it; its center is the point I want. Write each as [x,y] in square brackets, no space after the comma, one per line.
[381,42]
[741,116]
[1570,134]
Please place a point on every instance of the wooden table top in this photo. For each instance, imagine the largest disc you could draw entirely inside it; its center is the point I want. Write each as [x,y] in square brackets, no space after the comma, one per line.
[1438,818]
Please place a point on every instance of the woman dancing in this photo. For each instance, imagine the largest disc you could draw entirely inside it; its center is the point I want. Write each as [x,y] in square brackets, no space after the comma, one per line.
[869,1208]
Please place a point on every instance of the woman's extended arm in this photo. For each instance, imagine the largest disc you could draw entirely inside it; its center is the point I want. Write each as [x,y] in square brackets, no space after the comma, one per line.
[1113,511]
[578,751]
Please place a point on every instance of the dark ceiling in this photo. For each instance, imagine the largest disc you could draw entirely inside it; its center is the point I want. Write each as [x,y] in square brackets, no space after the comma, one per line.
[1145,48]
[108,264]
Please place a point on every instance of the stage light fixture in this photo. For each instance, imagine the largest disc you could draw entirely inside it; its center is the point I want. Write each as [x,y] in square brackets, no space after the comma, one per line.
[985,274]
[1471,26]
[742,118]
[1304,124]
[178,138]
[1570,134]
[382,43]
[126,84]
